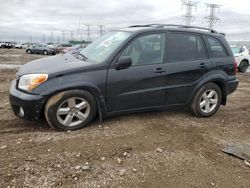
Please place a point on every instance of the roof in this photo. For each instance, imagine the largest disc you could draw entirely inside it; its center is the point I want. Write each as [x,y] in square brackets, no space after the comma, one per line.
[173,27]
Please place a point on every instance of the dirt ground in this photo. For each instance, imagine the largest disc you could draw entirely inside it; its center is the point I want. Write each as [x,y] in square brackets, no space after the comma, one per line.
[156,149]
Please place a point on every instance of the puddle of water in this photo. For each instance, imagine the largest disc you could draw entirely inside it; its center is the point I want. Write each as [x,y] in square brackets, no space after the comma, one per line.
[9,66]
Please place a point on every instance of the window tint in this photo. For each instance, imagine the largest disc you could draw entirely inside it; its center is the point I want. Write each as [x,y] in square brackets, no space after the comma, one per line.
[201,51]
[216,48]
[183,47]
[148,49]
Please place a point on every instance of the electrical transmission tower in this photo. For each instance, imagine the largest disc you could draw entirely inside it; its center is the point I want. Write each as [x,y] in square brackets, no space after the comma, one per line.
[188,17]
[101,29]
[212,18]
[88,32]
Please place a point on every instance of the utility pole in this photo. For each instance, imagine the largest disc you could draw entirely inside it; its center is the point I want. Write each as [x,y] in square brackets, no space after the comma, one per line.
[52,37]
[88,32]
[30,39]
[212,19]
[43,39]
[101,29]
[72,35]
[188,17]
[63,36]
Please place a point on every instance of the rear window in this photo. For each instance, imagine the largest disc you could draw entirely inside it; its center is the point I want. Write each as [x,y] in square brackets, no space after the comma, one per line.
[184,47]
[216,47]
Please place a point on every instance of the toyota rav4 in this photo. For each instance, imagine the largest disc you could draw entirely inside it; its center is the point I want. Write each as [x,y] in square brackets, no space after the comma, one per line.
[140,68]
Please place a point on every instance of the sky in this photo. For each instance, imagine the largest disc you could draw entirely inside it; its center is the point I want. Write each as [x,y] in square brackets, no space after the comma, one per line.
[39,20]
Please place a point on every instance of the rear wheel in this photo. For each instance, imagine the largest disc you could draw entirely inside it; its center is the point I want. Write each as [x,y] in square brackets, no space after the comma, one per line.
[70,110]
[207,101]
[243,66]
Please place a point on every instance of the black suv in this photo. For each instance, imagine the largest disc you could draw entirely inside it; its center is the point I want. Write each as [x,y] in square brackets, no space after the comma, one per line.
[139,68]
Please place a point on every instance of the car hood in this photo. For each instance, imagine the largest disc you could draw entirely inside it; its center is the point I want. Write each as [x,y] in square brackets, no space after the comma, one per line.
[53,64]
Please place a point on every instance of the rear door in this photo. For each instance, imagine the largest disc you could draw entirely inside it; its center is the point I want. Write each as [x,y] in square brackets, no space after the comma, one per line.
[141,85]
[186,63]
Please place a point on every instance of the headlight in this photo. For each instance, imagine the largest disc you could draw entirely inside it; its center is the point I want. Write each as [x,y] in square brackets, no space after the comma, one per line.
[31,81]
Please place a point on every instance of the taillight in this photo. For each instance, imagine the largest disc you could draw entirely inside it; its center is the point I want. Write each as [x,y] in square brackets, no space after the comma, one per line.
[235,67]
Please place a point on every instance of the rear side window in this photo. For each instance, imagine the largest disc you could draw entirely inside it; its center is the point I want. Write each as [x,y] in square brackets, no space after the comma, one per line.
[184,47]
[216,47]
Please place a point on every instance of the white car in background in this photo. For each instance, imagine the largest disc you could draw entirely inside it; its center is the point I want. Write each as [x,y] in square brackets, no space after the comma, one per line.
[242,57]
[19,46]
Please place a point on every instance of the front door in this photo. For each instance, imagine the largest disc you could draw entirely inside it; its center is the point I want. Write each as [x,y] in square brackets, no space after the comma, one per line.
[141,85]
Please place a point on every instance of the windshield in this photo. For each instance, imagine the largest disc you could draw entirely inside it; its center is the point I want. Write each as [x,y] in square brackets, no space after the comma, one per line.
[235,50]
[99,50]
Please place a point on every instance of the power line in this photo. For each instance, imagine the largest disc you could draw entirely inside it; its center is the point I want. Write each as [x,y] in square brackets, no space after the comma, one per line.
[212,19]
[188,17]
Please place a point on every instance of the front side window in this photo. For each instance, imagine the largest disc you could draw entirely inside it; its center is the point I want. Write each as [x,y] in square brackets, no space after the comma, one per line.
[184,47]
[147,49]
[99,50]
[216,47]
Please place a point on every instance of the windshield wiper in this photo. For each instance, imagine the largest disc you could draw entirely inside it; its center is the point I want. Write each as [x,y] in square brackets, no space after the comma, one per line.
[81,57]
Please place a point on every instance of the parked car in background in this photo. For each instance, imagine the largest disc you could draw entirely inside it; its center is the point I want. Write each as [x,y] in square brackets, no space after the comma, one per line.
[7,45]
[25,45]
[20,46]
[62,47]
[41,49]
[242,57]
[73,49]
[135,69]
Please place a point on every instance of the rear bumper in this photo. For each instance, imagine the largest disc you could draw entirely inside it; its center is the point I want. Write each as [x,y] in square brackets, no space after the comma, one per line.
[31,105]
[232,86]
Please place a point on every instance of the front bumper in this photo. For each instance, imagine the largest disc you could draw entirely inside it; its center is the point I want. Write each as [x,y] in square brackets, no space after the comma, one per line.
[232,86]
[26,106]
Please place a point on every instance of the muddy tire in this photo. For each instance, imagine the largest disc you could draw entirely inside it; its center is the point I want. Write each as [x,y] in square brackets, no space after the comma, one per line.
[70,110]
[243,66]
[207,101]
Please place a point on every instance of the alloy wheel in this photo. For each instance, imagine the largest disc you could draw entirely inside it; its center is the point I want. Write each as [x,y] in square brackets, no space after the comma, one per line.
[73,111]
[209,101]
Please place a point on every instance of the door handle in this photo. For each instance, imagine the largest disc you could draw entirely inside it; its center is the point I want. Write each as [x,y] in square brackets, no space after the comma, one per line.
[159,70]
[203,65]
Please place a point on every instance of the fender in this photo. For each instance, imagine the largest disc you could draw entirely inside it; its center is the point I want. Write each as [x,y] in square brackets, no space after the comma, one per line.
[219,79]
[90,87]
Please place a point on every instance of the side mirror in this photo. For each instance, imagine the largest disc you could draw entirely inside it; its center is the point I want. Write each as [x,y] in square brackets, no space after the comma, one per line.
[124,62]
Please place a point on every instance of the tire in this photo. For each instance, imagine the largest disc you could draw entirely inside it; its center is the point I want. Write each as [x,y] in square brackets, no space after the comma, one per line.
[29,51]
[243,66]
[45,52]
[59,109]
[203,100]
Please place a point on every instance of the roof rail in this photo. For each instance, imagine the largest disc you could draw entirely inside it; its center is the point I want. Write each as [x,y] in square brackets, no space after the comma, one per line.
[174,25]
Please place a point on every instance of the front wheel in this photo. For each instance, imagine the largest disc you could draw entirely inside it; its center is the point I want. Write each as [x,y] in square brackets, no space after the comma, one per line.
[70,110]
[207,101]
